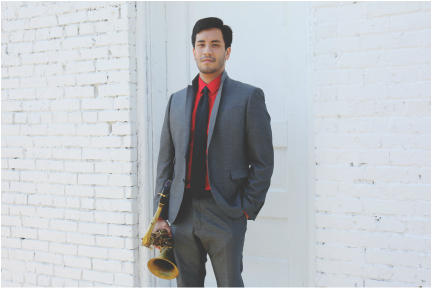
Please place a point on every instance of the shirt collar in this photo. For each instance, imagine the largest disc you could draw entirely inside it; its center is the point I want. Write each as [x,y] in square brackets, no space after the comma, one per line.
[213,86]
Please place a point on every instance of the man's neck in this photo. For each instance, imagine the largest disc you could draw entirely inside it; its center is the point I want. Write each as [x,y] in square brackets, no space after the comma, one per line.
[207,78]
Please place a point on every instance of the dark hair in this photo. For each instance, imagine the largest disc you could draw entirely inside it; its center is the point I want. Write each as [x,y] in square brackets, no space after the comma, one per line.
[212,22]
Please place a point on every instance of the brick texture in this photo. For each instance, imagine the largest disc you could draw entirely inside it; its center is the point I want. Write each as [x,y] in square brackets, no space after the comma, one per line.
[371,83]
[68,218]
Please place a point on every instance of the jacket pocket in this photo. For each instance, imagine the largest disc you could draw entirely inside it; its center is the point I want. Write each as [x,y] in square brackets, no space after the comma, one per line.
[239,173]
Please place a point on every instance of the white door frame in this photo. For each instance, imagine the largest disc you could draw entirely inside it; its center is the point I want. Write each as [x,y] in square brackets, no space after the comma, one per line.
[152,95]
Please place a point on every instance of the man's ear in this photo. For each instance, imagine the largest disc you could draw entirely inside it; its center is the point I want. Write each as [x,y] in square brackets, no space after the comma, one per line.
[193,52]
[228,53]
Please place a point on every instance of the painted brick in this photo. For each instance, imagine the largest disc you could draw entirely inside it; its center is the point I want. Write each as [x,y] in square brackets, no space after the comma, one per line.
[46,45]
[77,42]
[389,225]
[109,192]
[77,262]
[61,248]
[92,252]
[124,128]
[97,104]
[21,254]
[48,258]
[72,18]
[71,30]
[125,280]
[86,28]
[63,178]
[62,225]
[111,218]
[106,142]
[64,56]
[67,272]
[93,179]
[35,245]
[32,222]
[87,203]
[93,129]
[121,230]
[11,242]
[124,255]
[80,239]
[111,266]
[380,9]
[44,280]
[114,64]
[103,14]
[67,154]
[109,39]
[106,278]
[57,81]
[16,25]
[93,78]
[93,228]
[44,21]
[80,215]
[63,282]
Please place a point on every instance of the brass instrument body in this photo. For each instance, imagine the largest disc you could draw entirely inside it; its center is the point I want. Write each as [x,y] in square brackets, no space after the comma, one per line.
[164,265]
[164,195]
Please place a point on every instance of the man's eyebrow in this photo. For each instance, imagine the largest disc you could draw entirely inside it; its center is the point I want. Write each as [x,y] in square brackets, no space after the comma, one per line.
[211,41]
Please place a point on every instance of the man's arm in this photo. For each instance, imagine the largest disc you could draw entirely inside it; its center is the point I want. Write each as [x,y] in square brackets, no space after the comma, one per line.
[259,148]
[165,166]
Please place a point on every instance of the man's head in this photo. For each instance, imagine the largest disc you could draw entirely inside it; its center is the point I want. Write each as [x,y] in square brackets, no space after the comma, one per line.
[211,41]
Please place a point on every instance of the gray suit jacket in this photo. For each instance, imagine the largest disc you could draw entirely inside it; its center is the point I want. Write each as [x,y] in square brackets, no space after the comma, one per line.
[239,135]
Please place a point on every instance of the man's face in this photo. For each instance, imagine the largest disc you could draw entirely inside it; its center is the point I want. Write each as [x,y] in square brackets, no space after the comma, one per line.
[209,52]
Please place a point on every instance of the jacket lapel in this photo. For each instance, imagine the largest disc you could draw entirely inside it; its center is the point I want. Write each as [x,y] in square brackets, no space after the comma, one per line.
[216,108]
[190,96]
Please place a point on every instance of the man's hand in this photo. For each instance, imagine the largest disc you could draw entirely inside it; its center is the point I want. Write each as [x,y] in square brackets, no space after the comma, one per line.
[161,224]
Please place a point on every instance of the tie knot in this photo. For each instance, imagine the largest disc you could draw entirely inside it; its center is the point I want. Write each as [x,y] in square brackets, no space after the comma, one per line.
[206,89]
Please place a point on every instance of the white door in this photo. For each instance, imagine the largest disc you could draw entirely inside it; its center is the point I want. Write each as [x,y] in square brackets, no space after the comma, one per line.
[276,251]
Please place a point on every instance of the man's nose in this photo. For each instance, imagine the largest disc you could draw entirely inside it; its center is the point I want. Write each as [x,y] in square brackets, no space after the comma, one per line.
[207,50]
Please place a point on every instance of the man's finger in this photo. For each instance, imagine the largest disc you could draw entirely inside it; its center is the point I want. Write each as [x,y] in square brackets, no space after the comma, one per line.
[169,231]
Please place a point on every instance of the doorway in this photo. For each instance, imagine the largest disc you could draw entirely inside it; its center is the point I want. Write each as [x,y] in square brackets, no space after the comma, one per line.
[269,50]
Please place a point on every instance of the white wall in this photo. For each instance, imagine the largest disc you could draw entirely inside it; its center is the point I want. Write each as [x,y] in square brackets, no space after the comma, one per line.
[372,140]
[69,158]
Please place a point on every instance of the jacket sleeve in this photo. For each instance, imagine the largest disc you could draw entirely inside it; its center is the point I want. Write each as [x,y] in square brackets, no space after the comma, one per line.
[165,166]
[259,149]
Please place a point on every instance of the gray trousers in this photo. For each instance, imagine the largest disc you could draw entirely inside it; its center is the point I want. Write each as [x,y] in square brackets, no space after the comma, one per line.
[202,228]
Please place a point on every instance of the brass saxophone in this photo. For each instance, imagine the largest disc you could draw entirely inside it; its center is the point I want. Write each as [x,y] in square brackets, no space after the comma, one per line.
[164,266]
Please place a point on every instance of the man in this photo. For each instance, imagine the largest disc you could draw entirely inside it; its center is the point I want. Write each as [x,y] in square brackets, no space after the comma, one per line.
[212,131]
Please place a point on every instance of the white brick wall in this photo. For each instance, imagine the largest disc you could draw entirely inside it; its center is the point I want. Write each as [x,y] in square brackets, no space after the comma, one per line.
[69,183]
[372,141]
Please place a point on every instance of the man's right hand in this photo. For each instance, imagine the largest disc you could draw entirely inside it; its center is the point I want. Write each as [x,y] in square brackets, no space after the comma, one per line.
[161,224]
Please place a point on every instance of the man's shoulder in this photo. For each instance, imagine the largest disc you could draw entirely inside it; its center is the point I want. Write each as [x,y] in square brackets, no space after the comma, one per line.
[241,86]
[181,92]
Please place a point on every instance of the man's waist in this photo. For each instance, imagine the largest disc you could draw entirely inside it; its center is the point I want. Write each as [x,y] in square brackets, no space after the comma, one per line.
[198,195]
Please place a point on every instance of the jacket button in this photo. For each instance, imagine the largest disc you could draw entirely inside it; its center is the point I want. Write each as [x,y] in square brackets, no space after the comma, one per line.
[184,181]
